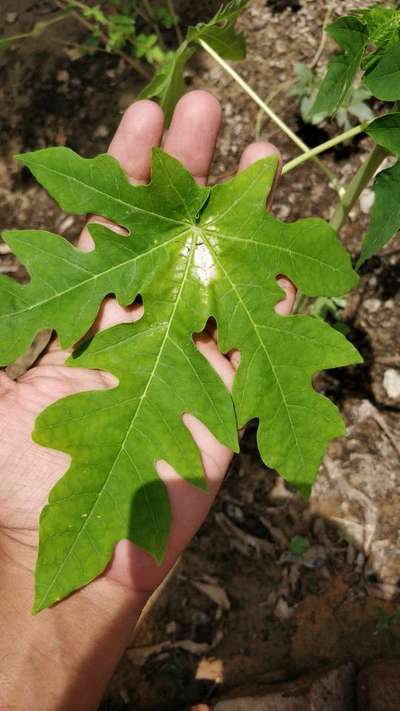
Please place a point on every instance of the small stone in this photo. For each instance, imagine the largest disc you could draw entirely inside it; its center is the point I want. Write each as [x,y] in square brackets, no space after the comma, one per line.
[65,224]
[62,75]
[391,383]
[11,17]
[372,305]
[367,200]
[170,628]
[101,131]
[282,610]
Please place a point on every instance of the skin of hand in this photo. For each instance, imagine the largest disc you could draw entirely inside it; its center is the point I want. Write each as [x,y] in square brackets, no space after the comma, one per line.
[44,661]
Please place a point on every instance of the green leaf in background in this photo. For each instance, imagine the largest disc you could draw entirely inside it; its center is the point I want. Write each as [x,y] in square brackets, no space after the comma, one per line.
[168,84]
[298,546]
[191,253]
[4,42]
[352,36]
[383,26]
[386,132]
[384,79]
[220,32]
[385,217]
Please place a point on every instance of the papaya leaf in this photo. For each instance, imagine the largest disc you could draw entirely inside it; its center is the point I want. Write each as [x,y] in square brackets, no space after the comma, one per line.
[386,132]
[168,84]
[220,32]
[383,26]
[384,79]
[385,216]
[192,253]
[352,36]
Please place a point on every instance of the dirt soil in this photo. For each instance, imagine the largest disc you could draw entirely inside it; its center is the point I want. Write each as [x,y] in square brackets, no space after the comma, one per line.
[244,607]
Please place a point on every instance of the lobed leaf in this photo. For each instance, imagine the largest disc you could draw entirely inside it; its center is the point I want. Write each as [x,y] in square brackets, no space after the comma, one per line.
[192,253]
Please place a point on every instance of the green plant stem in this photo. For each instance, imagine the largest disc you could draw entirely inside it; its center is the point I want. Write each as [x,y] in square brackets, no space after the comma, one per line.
[272,115]
[357,185]
[312,152]
[322,43]
[38,29]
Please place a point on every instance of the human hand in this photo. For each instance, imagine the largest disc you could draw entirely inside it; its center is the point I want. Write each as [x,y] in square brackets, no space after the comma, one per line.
[30,471]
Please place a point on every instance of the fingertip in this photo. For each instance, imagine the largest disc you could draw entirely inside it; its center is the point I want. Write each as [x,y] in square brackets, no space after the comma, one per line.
[198,102]
[141,128]
[193,132]
[256,151]
[285,306]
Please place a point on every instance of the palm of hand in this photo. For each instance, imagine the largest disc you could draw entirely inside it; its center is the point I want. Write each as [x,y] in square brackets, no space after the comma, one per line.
[30,471]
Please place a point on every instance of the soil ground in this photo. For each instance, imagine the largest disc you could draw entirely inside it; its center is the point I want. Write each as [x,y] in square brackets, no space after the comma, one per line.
[242,609]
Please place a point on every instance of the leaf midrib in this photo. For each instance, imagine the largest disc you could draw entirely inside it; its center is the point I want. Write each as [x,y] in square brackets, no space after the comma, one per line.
[262,345]
[132,208]
[93,277]
[124,441]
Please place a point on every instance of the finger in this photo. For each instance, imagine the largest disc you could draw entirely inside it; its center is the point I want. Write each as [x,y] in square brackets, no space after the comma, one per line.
[191,139]
[285,306]
[140,129]
[193,132]
[209,349]
[257,151]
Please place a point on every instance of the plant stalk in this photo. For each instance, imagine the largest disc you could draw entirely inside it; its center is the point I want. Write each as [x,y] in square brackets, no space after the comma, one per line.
[360,180]
[272,115]
[311,153]
[38,29]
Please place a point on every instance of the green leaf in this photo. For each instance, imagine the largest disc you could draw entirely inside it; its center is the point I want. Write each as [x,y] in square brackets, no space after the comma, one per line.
[383,25]
[385,217]
[191,253]
[352,36]
[384,80]
[298,546]
[168,84]
[220,32]
[386,132]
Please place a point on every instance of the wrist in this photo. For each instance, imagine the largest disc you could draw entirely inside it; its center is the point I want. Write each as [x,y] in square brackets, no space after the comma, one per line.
[64,655]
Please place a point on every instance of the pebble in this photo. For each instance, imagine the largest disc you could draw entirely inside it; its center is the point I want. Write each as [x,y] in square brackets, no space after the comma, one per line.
[11,17]
[367,200]
[62,75]
[391,383]
[372,305]
[282,610]
[101,132]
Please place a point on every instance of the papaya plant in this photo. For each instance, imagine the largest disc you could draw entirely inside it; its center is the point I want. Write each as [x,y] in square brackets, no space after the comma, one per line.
[191,253]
